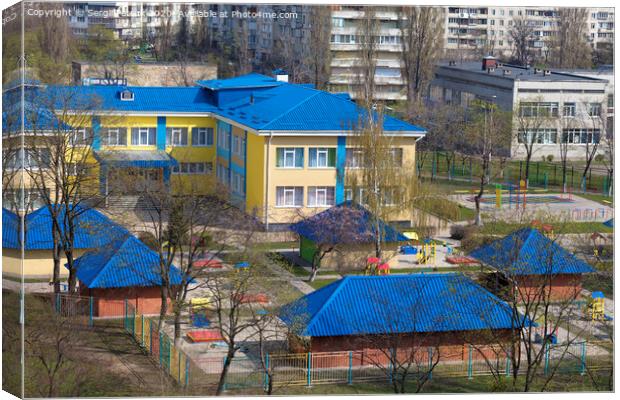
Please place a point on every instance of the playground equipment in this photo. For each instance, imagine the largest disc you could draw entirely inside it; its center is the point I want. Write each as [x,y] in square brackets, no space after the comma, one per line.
[546,229]
[596,306]
[205,335]
[383,269]
[427,253]
[241,266]
[371,265]
[411,235]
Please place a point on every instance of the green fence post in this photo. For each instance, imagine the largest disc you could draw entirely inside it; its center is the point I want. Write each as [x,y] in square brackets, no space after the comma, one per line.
[350,374]
[266,383]
[583,358]
[58,303]
[470,372]
[309,364]
[151,336]
[186,371]
[126,316]
[507,366]
[90,311]
[142,316]
[430,363]
[546,359]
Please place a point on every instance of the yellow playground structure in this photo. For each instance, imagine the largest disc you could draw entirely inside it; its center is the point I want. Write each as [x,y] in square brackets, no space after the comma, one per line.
[596,306]
[427,253]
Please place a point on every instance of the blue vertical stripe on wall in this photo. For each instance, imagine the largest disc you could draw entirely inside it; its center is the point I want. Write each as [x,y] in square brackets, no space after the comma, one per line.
[341,158]
[245,165]
[161,133]
[96,125]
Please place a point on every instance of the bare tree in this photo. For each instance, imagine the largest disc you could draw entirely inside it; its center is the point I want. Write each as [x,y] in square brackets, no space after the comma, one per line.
[530,121]
[542,310]
[522,33]
[61,166]
[319,55]
[368,36]
[570,48]
[596,116]
[420,27]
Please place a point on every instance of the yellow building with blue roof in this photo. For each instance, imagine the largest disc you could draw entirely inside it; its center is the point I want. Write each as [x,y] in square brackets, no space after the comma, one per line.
[281,149]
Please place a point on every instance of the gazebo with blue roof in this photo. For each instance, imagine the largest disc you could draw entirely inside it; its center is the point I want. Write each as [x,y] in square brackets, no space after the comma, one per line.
[125,269]
[351,227]
[361,313]
[531,261]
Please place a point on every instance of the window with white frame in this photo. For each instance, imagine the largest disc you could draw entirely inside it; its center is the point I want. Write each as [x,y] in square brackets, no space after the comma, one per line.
[238,146]
[237,184]
[357,195]
[321,196]
[354,158]
[143,136]
[80,137]
[397,156]
[538,136]
[321,157]
[202,136]
[192,168]
[290,157]
[223,174]
[594,109]
[289,196]
[114,137]
[569,109]
[581,136]
[176,136]
[538,109]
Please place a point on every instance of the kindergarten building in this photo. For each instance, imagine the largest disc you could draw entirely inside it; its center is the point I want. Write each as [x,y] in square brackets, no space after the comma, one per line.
[447,312]
[281,149]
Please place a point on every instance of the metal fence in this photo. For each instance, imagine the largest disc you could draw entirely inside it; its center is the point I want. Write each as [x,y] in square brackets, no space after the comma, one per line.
[307,369]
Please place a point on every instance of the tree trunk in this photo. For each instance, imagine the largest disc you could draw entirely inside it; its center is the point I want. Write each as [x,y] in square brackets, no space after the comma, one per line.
[313,273]
[177,326]
[477,199]
[164,307]
[222,382]
[56,274]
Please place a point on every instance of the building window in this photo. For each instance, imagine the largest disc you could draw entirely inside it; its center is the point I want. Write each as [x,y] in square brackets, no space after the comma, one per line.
[321,196]
[358,195]
[397,156]
[538,109]
[594,109]
[354,158]
[202,136]
[143,136]
[237,185]
[223,135]
[290,157]
[114,137]
[581,136]
[322,157]
[238,146]
[176,136]
[81,137]
[192,168]
[569,109]
[289,196]
[222,174]
[538,136]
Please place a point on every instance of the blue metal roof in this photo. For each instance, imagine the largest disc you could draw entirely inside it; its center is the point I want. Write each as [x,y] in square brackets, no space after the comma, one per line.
[529,252]
[124,262]
[257,101]
[346,223]
[92,229]
[609,223]
[357,305]
[136,158]
[10,229]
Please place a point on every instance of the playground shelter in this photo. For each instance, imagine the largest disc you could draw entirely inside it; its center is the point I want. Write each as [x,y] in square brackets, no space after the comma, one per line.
[362,313]
[351,227]
[124,269]
[529,259]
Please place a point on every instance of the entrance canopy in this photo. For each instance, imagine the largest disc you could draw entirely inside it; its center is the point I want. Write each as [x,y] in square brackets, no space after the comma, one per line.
[136,159]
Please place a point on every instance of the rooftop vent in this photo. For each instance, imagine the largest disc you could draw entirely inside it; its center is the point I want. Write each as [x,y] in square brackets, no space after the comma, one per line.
[127,95]
[490,70]
[507,72]
[489,62]
[451,63]
[547,72]
[281,75]
[537,70]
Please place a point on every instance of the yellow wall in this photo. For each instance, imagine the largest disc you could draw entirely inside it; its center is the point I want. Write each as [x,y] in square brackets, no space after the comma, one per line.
[37,263]
[255,174]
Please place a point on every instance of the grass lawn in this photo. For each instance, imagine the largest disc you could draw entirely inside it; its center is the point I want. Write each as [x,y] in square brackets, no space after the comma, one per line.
[319,283]
[601,281]
[479,384]
[504,228]
[599,198]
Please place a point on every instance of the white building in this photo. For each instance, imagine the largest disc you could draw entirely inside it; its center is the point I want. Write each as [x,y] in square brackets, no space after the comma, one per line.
[578,105]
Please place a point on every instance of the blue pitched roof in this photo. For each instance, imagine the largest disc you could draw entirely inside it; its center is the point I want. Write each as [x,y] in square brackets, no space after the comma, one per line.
[529,252]
[257,101]
[357,305]
[10,229]
[346,223]
[609,223]
[124,262]
[92,229]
